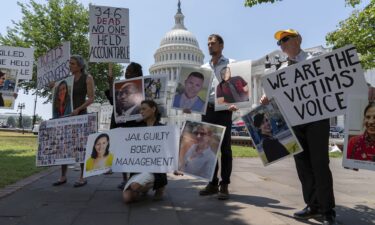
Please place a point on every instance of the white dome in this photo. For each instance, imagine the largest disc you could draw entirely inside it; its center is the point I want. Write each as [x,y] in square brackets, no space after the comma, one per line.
[179,36]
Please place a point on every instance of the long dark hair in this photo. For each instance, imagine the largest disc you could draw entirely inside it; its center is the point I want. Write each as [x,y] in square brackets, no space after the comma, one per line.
[94,154]
[370,104]
[66,97]
[152,104]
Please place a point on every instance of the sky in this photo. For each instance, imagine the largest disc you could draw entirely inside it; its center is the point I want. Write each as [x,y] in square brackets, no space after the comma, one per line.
[247,32]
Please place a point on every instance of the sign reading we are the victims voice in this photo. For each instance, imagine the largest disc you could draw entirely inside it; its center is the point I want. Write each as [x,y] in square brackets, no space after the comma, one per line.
[317,88]
[109,34]
[145,149]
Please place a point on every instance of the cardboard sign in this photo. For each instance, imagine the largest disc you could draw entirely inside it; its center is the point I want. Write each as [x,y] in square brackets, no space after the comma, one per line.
[63,141]
[316,89]
[20,59]
[54,65]
[109,34]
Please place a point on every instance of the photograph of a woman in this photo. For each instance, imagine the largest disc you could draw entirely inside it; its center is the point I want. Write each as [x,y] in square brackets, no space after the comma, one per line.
[362,147]
[100,158]
[62,104]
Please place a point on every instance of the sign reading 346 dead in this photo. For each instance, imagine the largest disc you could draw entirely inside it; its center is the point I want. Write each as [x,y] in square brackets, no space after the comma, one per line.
[109,34]
[145,149]
[317,88]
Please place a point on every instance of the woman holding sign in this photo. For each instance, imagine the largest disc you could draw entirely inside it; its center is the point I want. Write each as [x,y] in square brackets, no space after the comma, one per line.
[142,182]
[362,147]
[83,96]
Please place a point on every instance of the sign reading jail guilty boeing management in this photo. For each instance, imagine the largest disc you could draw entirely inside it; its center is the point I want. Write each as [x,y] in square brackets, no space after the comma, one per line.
[317,88]
[109,34]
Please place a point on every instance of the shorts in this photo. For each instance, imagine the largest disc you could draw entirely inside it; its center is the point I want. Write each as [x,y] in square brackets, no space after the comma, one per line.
[144,179]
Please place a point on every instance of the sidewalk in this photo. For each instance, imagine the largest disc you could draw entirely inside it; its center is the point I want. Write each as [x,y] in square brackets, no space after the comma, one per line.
[259,196]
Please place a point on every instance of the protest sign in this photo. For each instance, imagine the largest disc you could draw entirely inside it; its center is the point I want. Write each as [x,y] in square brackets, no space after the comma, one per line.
[234,88]
[156,90]
[98,158]
[145,149]
[316,89]
[128,95]
[199,146]
[54,65]
[192,89]
[271,134]
[63,141]
[109,34]
[20,59]
[7,100]
[62,104]
[359,142]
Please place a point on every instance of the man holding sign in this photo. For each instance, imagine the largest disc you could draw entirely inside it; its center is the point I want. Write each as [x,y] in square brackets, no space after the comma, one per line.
[313,163]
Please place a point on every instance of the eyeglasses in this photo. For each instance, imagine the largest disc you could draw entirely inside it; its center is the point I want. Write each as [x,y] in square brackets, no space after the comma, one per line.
[285,39]
[200,133]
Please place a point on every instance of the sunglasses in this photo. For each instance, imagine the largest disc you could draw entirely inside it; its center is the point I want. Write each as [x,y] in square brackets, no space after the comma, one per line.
[285,39]
[200,133]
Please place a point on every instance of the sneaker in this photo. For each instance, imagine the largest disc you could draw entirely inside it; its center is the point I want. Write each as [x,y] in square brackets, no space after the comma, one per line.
[223,192]
[210,189]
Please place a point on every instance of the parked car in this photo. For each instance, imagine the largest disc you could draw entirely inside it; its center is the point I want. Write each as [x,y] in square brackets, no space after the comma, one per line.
[336,132]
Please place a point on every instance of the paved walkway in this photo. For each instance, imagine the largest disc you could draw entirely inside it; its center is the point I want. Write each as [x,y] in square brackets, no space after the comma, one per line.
[259,196]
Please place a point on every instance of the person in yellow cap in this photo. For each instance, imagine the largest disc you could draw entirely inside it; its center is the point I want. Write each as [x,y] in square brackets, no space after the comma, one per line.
[313,163]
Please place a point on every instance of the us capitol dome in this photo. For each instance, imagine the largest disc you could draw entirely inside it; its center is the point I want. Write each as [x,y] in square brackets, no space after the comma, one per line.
[178,48]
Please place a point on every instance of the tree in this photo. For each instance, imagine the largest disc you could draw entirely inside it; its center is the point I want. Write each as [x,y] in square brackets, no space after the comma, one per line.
[358,29]
[27,121]
[11,122]
[44,26]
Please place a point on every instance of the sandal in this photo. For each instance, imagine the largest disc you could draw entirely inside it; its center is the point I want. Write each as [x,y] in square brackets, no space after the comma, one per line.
[80,184]
[59,182]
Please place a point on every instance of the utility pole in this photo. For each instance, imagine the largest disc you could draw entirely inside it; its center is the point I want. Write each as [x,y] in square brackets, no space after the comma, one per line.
[20,107]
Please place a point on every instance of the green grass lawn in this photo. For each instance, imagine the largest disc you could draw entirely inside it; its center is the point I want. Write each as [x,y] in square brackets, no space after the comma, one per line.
[17,157]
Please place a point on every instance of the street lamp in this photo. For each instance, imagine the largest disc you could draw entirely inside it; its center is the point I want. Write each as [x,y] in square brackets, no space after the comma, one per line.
[20,107]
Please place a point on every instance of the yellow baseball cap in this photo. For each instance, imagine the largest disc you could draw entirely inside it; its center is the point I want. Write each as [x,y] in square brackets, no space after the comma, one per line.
[283,33]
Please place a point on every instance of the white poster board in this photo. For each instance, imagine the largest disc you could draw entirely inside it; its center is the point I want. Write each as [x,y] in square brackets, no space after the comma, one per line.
[109,34]
[199,147]
[234,88]
[359,144]
[54,65]
[63,141]
[316,89]
[20,59]
[145,149]
[155,88]
[192,89]
[271,133]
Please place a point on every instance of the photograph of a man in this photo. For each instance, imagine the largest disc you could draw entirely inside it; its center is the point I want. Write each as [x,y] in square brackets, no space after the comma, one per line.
[234,85]
[128,98]
[191,93]
[199,147]
[231,89]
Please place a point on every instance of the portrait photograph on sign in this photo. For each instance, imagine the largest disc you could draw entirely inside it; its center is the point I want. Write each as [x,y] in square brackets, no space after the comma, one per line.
[156,90]
[271,135]
[234,87]
[128,95]
[359,141]
[192,89]
[199,146]
[8,80]
[62,104]
[99,157]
